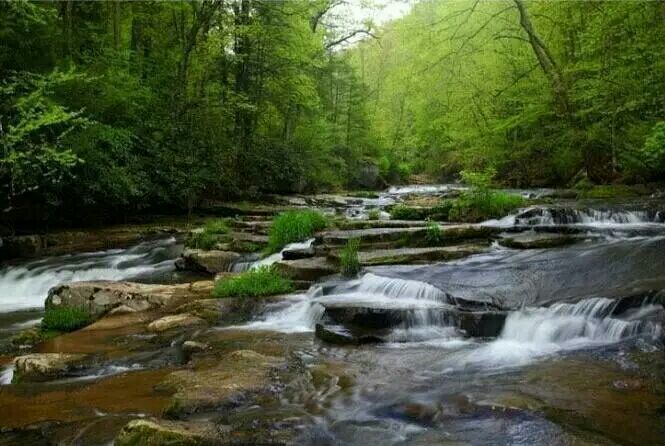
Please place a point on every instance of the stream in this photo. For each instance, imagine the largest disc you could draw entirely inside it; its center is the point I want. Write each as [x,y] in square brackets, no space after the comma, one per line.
[576,321]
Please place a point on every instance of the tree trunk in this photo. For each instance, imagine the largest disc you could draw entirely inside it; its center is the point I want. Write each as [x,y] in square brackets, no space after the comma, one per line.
[546,61]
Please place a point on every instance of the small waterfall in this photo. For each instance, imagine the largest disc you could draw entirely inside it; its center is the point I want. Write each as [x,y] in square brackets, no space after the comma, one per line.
[566,216]
[25,286]
[297,313]
[246,265]
[6,375]
[392,288]
[589,320]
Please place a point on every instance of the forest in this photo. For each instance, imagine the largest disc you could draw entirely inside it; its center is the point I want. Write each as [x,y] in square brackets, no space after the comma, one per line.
[113,108]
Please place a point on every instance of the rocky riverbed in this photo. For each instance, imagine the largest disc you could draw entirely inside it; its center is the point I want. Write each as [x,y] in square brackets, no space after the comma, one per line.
[544,327]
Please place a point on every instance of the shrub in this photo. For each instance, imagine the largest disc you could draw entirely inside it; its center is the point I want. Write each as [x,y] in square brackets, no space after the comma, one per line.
[479,205]
[349,261]
[263,281]
[216,227]
[434,236]
[65,319]
[214,231]
[374,214]
[439,212]
[404,212]
[294,226]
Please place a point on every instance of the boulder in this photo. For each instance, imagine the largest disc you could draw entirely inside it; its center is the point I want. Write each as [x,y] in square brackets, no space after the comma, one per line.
[46,366]
[308,270]
[100,297]
[162,432]
[209,309]
[231,380]
[183,320]
[207,261]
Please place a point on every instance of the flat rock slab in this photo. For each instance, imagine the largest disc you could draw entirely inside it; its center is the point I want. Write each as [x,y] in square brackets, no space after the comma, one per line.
[46,366]
[535,240]
[371,235]
[102,296]
[406,236]
[235,377]
[369,224]
[183,320]
[309,269]
[414,255]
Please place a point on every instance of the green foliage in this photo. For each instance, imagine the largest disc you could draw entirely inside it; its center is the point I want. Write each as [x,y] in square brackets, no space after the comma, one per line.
[653,151]
[349,261]
[439,212]
[374,214]
[404,212]
[457,86]
[216,227]
[476,206]
[65,319]
[294,226]
[263,281]
[434,236]
[212,233]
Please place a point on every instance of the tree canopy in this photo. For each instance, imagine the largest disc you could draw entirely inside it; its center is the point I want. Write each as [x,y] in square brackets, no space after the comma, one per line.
[120,107]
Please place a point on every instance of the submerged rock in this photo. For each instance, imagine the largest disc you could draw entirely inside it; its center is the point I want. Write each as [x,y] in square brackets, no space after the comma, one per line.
[46,366]
[207,261]
[100,297]
[182,320]
[162,432]
[235,377]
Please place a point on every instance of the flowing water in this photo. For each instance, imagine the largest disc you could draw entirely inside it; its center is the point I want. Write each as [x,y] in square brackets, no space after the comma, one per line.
[573,317]
[559,371]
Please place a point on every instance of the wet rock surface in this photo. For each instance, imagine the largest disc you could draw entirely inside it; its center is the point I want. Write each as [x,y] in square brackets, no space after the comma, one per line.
[46,366]
[177,321]
[99,297]
[460,343]
[162,432]
[212,262]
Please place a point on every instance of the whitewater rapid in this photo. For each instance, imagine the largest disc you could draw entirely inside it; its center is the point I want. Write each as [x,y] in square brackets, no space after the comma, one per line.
[25,286]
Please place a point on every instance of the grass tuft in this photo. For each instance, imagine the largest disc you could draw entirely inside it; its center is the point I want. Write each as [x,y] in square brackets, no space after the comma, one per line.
[476,206]
[65,319]
[374,214]
[263,281]
[294,226]
[349,261]
[214,232]
[434,236]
